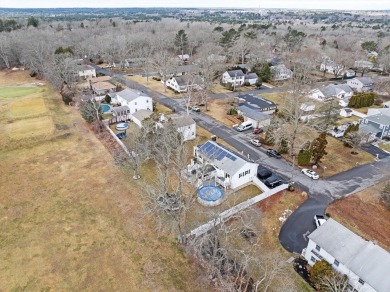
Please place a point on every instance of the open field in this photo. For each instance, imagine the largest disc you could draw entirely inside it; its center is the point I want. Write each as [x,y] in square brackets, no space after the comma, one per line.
[13,92]
[276,97]
[14,78]
[71,220]
[365,214]
[28,107]
[34,127]
[154,85]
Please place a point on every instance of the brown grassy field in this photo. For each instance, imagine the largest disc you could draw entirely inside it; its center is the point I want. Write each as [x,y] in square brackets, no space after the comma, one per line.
[70,220]
[365,214]
[218,108]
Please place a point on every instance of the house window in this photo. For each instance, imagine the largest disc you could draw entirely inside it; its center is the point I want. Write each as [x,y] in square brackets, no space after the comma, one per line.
[336,263]
[361,281]
[147,101]
[135,103]
[318,247]
[313,259]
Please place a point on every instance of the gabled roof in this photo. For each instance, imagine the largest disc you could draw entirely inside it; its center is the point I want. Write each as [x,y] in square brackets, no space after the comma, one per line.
[104,85]
[367,260]
[187,80]
[365,80]
[379,119]
[182,121]
[281,68]
[86,67]
[334,89]
[130,94]
[119,109]
[236,73]
[98,79]
[142,114]
[251,76]
[253,114]
[225,159]
[184,68]
[347,110]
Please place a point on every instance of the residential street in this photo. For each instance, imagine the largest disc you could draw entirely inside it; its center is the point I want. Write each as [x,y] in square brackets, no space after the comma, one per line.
[293,235]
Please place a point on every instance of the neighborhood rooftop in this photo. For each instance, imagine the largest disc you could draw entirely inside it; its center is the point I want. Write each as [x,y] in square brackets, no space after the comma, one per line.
[236,73]
[142,114]
[104,85]
[130,94]
[334,89]
[253,114]
[379,119]
[366,259]
[182,121]
[224,158]
[365,80]
[255,102]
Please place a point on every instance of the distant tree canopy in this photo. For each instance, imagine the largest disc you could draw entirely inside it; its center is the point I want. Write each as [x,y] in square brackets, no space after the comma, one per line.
[263,70]
[218,28]
[229,38]
[8,25]
[32,21]
[61,50]
[370,46]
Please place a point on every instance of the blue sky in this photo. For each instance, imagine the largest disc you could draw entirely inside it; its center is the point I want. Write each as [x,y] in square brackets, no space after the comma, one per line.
[307,4]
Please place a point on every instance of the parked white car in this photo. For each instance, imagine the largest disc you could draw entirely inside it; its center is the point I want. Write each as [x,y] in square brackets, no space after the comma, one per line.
[255,142]
[310,173]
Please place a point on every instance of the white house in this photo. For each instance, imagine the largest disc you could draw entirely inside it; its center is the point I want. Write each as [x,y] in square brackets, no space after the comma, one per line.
[280,72]
[251,78]
[184,57]
[330,66]
[134,100]
[366,264]
[184,83]
[308,106]
[86,71]
[139,116]
[121,114]
[185,125]
[361,84]
[331,91]
[236,77]
[377,111]
[346,112]
[104,87]
[229,169]
[258,119]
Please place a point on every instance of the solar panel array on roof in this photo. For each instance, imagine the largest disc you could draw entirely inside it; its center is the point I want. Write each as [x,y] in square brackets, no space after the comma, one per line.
[213,151]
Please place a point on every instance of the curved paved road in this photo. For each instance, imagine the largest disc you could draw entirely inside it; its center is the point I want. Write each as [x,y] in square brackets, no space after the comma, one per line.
[293,235]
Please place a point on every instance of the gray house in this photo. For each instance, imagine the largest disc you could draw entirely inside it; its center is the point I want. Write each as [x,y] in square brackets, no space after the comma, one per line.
[378,126]
[258,119]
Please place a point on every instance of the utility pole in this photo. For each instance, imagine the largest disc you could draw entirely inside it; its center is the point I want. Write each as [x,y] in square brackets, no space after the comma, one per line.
[235,78]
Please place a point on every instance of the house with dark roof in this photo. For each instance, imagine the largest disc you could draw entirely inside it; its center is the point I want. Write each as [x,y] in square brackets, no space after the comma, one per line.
[251,78]
[184,83]
[229,169]
[364,263]
[361,84]
[121,114]
[346,112]
[182,70]
[377,126]
[257,103]
[234,77]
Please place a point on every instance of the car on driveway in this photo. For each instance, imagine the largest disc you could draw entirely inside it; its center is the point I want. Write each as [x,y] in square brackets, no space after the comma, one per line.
[257,131]
[195,108]
[273,181]
[263,172]
[121,135]
[273,153]
[310,173]
[255,142]
[319,220]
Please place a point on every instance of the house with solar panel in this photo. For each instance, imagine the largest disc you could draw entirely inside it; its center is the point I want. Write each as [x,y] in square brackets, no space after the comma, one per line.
[366,264]
[228,168]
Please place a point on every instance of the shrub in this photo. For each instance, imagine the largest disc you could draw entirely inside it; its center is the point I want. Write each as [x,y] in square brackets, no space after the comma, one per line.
[246,83]
[232,111]
[378,101]
[33,73]
[304,156]
[362,99]
[107,98]
[386,194]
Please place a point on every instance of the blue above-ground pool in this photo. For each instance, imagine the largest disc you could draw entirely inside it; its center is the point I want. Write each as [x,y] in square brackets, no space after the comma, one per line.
[105,108]
[210,195]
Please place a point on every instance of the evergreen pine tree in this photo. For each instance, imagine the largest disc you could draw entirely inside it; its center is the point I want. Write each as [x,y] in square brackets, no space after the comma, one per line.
[318,147]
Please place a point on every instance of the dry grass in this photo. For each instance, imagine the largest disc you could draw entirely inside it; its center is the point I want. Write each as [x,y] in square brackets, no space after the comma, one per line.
[384,146]
[70,220]
[364,110]
[162,109]
[218,88]
[28,107]
[29,128]
[365,214]
[14,92]
[218,110]
[276,97]
[154,85]
[13,78]
[345,120]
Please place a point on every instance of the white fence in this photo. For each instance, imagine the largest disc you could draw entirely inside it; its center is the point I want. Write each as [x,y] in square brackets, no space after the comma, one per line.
[234,210]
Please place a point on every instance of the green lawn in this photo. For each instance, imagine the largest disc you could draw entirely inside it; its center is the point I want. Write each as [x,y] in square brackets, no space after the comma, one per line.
[13,92]
[384,146]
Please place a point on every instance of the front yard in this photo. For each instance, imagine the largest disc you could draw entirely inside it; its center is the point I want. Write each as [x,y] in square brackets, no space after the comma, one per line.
[154,85]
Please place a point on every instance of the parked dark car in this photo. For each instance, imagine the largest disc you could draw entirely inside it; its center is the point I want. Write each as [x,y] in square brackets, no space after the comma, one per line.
[273,153]
[257,131]
[273,181]
[263,173]
[121,135]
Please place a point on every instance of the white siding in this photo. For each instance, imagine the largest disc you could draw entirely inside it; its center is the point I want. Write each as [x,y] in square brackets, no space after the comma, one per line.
[244,175]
